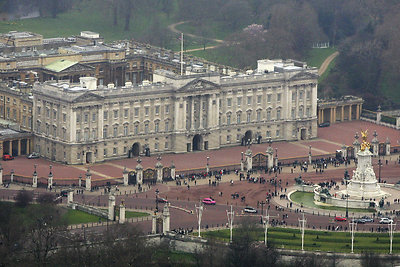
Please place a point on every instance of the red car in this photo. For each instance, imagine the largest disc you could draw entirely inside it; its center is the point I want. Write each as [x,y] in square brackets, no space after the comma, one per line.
[340,219]
[7,157]
[209,201]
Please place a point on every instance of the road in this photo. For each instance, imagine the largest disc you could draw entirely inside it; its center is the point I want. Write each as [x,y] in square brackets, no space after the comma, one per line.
[326,63]
[172,28]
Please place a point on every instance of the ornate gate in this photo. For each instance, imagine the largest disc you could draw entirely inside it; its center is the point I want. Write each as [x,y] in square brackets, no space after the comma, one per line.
[382,149]
[167,174]
[350,152]
[132,177]
[260,161]
[149,176]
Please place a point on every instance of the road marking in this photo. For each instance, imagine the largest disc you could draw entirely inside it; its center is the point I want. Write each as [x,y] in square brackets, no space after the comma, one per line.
[119,166]
[313,148]
[92,171]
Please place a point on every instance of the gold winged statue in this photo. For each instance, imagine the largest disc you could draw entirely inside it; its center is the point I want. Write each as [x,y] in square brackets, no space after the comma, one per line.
[364,144]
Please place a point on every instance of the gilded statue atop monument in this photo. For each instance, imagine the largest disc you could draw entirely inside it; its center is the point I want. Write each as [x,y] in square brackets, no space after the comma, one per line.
[364,144]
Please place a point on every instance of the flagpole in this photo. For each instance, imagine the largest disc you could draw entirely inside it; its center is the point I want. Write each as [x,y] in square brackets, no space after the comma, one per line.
[182,53]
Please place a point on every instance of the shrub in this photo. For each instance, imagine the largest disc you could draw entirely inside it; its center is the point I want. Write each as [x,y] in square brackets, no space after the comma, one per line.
[23,198]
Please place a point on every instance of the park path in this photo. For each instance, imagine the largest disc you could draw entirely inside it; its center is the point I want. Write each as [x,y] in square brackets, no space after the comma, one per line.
[172,28]
[326,63]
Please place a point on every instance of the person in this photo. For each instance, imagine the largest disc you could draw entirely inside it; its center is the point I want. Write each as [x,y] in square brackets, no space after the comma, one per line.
[231,182]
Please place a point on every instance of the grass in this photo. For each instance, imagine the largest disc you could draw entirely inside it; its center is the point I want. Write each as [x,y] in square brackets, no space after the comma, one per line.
[88,15]
[289,238]
[213,30]
[316,56]
[307,200]
[78,217]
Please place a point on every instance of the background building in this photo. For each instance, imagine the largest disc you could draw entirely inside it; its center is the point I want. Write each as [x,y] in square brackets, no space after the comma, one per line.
[86,123]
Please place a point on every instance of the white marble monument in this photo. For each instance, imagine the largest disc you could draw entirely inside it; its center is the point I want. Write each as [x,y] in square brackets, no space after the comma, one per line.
[364,185]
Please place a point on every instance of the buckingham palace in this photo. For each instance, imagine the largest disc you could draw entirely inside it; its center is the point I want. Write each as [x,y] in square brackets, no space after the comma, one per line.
[200,110]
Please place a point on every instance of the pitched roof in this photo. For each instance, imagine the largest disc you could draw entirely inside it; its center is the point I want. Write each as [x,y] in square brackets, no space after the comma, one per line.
[60,65]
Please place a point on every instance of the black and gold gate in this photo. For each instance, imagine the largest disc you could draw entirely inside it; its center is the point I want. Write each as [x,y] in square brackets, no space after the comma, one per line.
[149,176]
[167,174]
[132,177]
[350,152]
[382,149]
[260,161]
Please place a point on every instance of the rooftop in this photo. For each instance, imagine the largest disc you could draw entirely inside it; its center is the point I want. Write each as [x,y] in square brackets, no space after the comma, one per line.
[60,65]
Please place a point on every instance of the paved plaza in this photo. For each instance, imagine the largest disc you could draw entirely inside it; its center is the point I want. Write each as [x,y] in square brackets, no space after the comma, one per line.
[329,140]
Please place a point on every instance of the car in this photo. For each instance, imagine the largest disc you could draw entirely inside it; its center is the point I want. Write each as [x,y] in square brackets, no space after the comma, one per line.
[64,193]
[359,220]
[250,210]
[162,200]
[324,124]
[7,157]
[209,201]
[33,155]
[340,219]
[367,219]
[385,221]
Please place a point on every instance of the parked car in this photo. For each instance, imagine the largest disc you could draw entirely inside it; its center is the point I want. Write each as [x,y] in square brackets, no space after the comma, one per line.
[359,220]
[64,193]
[162,200]
[324,124]
[209,201]
[386,220]
[367,219]
[340,219]
[7,157]
[250,210]
[33,155]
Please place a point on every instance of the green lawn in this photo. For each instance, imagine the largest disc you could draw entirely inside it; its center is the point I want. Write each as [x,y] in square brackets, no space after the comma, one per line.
[307,199]
[319,240]
[88,15]
[78,217]
[316,56]
[211,29]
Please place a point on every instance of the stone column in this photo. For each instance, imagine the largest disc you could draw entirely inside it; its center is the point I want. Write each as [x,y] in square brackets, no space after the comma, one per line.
[19,147]
[342,113]
[350,113]
[166,219]
[201,113]
[387,147]
[50,180]
[378,114]
[122,213]
[80,181]
[173,171]
[334,115]
[159,168]
[111,208]
[139,172]
[331,119]
[358,112]
[154,224]
[10,147]
[270,155]
[1,174]
[192,126]
[27,147]
[34,178]
[375,144]
[88,183]
[249,159]
[70,197]
[125,176]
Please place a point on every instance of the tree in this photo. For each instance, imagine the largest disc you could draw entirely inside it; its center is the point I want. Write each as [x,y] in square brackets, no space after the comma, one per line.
[23,198]
[46,198]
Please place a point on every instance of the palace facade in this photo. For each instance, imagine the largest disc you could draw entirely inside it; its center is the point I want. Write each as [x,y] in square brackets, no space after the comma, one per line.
[87,123]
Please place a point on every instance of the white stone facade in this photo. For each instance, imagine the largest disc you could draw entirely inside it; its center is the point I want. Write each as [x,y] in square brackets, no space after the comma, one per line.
[76,125]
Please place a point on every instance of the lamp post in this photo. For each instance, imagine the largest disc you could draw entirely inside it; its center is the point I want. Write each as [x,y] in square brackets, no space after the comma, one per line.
[262,203]
[276,180]
[157,199]
[380,166]
[208,165]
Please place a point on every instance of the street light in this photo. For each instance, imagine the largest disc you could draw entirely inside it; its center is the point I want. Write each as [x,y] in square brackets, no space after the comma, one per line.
[347,198]
[276,179]
[157,199]
[208,165]
[380,166]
